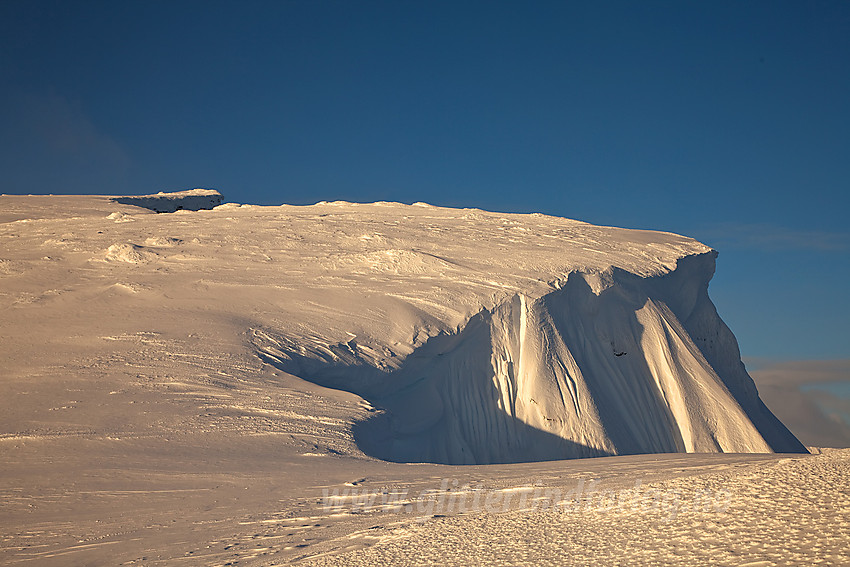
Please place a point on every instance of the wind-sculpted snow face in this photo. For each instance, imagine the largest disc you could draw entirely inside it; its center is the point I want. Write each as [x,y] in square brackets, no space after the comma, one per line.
[483,337]
[571,374]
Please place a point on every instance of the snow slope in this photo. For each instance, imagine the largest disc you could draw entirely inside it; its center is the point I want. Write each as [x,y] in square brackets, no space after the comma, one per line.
[480,337]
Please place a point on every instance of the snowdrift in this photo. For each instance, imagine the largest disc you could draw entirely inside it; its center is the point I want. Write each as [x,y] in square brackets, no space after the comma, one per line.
[476,337]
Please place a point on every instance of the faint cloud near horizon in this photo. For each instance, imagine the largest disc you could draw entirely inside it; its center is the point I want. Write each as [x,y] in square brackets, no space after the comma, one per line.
[772,237]
[809,396]
[49,145]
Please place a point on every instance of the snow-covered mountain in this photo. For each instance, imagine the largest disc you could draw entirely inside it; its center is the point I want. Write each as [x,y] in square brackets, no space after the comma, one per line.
[475,337]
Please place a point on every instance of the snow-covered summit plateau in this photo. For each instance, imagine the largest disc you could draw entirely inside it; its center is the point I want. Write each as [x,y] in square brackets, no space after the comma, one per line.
[479,337]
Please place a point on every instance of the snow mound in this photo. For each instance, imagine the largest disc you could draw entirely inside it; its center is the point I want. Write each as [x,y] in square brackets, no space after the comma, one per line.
[128,254]
[120,217]
[191,200]
[162,241]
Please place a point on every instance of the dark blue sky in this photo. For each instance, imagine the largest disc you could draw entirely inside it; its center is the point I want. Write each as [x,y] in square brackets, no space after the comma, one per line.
[727,121]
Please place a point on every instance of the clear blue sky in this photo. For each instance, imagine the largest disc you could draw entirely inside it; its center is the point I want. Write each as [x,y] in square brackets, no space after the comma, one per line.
[727,121]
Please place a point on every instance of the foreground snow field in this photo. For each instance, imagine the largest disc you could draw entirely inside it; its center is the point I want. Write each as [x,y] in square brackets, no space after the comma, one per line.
[791,511]
[203,387]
